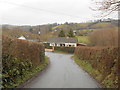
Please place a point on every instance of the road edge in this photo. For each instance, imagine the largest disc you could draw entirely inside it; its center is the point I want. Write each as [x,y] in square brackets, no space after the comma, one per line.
[22,85]
[98,83]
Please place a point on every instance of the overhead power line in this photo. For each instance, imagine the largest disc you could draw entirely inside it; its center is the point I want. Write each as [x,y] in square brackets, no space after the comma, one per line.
[38,9]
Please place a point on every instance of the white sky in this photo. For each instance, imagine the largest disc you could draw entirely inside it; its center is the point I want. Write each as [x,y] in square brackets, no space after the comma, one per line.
[34,12]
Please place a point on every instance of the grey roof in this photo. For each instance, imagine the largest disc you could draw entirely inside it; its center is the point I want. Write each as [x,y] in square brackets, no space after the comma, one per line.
[62,40]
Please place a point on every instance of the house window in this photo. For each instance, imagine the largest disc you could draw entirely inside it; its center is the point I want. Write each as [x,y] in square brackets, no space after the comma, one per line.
[63,44]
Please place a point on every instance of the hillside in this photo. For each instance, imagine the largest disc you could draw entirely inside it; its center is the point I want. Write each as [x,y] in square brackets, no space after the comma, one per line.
[81,26]
[52,30]
[18,33]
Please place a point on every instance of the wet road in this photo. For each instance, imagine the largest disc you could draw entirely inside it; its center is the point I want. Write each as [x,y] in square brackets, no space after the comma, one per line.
[62,73]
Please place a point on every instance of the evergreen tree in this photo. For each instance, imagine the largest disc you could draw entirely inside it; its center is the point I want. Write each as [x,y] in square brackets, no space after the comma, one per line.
[50,29]
[61,34]
[70,33]
[30,29]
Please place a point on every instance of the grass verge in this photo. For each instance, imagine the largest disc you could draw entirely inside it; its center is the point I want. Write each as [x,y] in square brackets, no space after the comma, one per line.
[86,66]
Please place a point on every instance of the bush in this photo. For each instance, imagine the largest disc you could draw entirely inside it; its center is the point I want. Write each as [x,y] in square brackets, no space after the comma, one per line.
[104,38]
[47,45]
[103,59]
[65,49]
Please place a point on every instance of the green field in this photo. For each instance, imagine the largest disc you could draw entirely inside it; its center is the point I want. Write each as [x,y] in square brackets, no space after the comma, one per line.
[83,39]
[88,30]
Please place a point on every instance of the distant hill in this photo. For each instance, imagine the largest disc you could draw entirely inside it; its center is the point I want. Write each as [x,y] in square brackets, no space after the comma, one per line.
[34,29]
[18,33]
[66,26]
[81,26]
[52,30]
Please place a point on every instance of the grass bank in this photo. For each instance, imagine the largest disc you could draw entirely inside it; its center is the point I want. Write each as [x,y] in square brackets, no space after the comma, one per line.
[101,63]
[86,66]
[29,74]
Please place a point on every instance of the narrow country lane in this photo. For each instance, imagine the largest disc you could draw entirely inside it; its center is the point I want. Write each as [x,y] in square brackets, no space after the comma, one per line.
[62,73]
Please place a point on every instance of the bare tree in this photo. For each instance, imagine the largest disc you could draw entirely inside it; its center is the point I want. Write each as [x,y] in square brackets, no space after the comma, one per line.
[107,6]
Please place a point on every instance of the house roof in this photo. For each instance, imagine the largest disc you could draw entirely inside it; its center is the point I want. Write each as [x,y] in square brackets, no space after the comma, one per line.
[62,40]
[22,37]
[82,44]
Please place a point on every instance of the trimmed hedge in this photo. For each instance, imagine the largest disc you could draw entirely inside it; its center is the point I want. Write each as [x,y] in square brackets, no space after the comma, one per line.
[62,48]
[47,45]
[104,60]
[18,58]
[65,49]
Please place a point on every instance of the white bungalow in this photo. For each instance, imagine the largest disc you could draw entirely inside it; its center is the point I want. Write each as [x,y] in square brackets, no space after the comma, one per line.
[62,41]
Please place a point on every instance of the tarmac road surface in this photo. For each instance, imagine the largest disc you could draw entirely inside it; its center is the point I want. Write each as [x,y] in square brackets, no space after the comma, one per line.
[62,72]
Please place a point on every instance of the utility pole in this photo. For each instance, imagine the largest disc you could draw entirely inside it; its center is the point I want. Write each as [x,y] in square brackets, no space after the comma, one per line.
[39,32]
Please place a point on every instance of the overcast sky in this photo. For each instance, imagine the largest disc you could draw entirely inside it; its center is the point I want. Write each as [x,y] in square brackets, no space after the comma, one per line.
[34,12]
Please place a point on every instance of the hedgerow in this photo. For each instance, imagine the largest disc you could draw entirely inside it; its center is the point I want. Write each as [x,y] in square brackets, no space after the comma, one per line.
[104,60]
[65,49]
[47,45]
[19,57]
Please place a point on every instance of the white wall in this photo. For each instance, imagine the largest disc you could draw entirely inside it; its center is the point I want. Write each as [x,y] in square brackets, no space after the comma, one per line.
[58,45]
[70,44]
[66,44]
[52,44]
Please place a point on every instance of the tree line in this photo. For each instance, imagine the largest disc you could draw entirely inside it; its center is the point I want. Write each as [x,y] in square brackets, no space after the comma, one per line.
[70,33]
